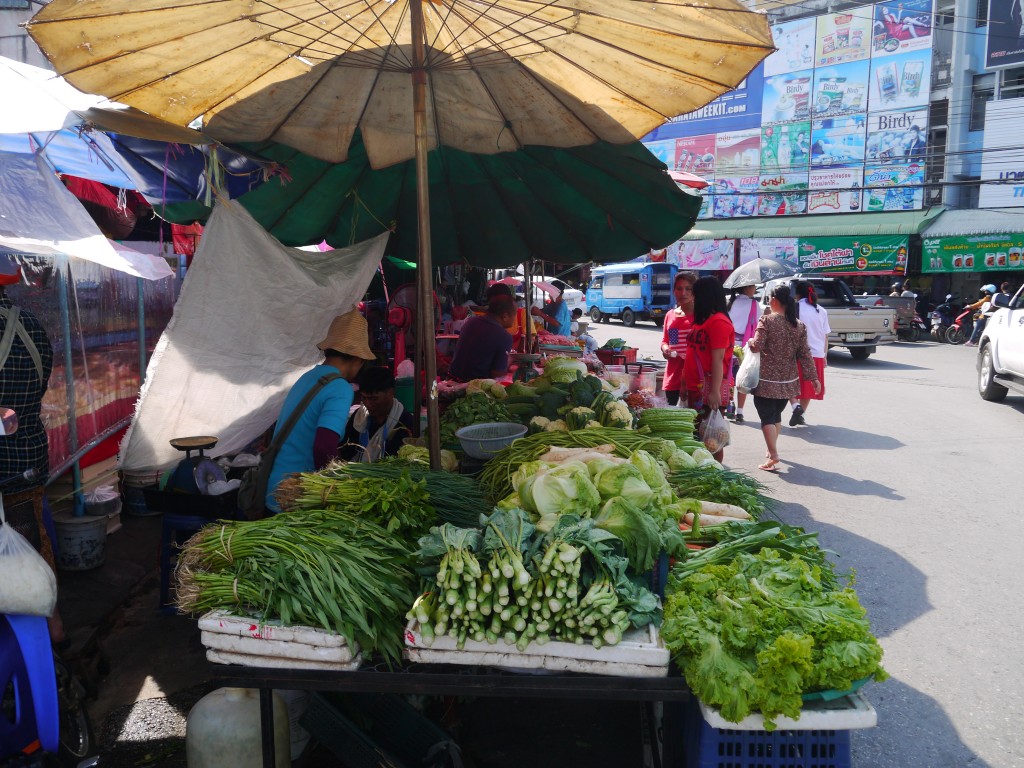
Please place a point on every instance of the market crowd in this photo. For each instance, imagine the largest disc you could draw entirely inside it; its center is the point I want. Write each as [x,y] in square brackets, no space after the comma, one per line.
[702,339]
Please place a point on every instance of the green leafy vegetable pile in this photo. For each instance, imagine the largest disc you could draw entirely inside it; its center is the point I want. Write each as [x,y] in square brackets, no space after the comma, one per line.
[515,584]
[758,631]
[475,408]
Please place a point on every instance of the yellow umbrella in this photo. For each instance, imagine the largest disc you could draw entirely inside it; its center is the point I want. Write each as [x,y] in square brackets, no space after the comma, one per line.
[482,76]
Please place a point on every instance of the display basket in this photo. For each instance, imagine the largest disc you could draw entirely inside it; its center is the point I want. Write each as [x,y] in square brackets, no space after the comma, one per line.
[706,746]
[617,356]
[481,441]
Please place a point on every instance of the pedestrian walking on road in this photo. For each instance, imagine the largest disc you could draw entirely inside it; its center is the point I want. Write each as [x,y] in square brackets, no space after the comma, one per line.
[818,329]
[743,312]
[678,322]
[782,341]
[707,370]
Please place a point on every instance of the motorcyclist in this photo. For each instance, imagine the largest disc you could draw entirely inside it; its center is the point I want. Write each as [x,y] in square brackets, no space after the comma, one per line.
[982,309]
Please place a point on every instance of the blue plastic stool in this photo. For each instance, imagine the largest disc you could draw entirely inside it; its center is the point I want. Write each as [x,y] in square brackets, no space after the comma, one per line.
[26,662]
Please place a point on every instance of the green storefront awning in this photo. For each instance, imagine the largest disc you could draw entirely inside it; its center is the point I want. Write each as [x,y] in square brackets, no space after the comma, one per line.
[836,225]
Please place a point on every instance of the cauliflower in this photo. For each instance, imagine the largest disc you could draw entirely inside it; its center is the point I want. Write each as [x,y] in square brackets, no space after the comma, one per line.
[593,425]
[617,414]
[486,387]
[538,424]
[556,426]
[578,417]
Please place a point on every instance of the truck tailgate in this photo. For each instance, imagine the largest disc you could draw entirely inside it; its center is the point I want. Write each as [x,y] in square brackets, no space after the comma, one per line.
[864,326]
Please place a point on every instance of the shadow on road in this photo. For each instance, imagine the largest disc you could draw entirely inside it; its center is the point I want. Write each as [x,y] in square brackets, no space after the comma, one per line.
[846,362]
[801,474]
[824,434]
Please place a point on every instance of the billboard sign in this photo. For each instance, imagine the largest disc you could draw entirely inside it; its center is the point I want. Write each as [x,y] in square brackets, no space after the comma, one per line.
[981,253]
[897,137]
[696,154]
[843,37]
[785,148]
[1004,45]
[900,81]
[841,90]
[795,43]
[1002,163]
[782,248]
[703,255]
[738,153]
[738,109]
[894,187]
[782,203]
[902,26]
[837,141]
[835,190]
[854,255]
[735,196]
[787,98]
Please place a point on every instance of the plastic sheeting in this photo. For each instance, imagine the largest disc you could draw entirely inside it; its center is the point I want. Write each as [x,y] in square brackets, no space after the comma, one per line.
[245,327]
[38,215]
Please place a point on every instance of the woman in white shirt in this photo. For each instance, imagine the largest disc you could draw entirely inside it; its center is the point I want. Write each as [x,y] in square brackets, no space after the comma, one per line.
[744,315]
[818,329]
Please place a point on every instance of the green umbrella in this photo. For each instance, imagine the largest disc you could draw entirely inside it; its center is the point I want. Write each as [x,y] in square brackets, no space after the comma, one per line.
[599,203]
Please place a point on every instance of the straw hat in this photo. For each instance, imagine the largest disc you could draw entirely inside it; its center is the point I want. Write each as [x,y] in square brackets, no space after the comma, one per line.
[348,334]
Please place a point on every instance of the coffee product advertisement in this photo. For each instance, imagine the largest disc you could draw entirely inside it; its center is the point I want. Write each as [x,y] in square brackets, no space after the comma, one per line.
[843,37]
[980,253]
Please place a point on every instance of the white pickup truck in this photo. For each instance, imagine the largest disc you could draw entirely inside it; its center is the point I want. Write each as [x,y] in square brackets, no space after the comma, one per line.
[859,329]
[1001,349]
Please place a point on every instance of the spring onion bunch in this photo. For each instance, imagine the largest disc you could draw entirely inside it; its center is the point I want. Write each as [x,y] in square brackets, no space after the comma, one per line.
[330,569]
[514,585]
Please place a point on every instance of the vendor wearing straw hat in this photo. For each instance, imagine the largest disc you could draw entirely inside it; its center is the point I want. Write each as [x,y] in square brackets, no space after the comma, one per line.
[314,439]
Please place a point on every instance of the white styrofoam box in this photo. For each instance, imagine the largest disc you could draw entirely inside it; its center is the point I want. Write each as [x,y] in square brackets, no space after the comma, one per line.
[221,622]
[278,662]
[286,649]
[846,713]
[639,654]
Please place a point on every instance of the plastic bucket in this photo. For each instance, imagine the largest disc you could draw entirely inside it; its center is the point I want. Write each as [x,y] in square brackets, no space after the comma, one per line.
[81,541]
[133,487]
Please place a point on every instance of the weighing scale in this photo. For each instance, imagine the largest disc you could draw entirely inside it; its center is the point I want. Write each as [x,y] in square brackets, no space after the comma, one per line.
[194,474]
[525,362]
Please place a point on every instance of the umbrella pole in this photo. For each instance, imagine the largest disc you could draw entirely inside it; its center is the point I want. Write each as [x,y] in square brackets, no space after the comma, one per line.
[425,271]
[528,295]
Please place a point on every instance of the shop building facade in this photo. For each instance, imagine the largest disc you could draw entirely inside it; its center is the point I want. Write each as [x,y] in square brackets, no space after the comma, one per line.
[866,146]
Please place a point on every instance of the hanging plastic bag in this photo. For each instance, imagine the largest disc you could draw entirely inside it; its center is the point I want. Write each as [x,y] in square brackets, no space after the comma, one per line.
[714,432]
[27,585]
[749,373]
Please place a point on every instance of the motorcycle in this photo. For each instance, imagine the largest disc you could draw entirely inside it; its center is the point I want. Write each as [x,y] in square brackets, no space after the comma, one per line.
[943,316]
[960,330]
[914,330]
[43,723]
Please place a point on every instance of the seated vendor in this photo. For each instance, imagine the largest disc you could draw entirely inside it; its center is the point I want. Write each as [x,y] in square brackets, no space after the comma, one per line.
[484,344]
[556,314]
[313,440]
[377,428]
[589,342]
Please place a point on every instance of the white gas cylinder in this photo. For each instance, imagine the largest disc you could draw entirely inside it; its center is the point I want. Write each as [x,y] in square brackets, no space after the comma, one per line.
[223,731]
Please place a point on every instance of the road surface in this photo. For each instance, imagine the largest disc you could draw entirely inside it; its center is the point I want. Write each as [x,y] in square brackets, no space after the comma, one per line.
[912,480]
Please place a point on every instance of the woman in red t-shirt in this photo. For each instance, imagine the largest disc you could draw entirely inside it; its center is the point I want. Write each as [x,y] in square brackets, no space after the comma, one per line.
[677,330]
[707,370]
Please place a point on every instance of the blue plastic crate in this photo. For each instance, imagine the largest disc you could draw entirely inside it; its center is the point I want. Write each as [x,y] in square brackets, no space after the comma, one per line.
[709,747]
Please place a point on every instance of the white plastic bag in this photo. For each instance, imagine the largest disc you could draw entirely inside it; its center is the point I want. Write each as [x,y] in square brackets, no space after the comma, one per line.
[749,373]
[27,585]
[714,432]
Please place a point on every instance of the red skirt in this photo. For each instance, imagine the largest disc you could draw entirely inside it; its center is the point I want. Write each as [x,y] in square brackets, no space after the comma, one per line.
[807,387]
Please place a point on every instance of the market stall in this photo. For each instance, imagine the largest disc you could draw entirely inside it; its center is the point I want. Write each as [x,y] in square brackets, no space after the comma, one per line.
[591,549]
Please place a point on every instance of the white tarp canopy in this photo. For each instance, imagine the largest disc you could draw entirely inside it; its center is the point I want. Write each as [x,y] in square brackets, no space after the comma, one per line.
[38,215]
[245,327]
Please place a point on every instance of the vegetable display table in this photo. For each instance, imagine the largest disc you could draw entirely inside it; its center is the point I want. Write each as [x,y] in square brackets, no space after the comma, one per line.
[431,679]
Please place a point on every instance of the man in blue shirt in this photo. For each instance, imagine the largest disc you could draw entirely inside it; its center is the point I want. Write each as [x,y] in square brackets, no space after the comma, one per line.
[314,439]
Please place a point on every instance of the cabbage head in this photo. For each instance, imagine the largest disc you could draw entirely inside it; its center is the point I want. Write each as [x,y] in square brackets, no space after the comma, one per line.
[565,489]
[649,467]
[626,481]
[680,459]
